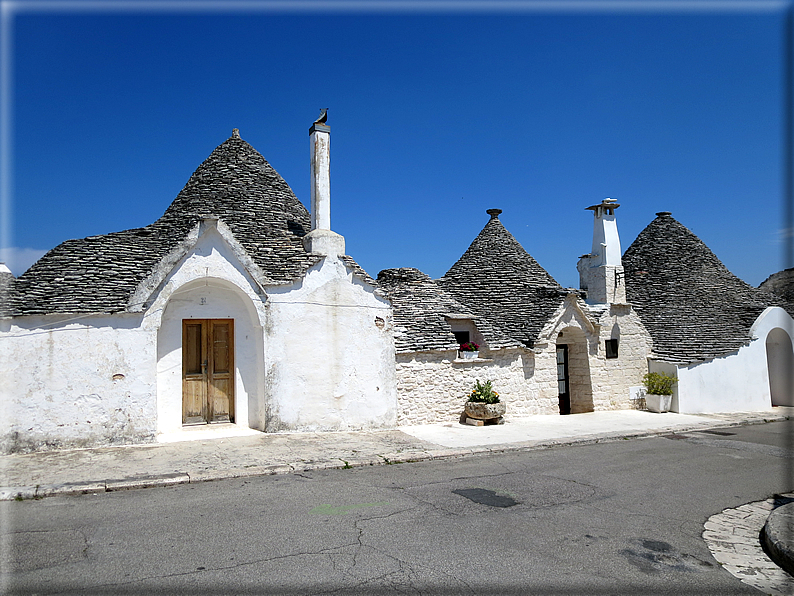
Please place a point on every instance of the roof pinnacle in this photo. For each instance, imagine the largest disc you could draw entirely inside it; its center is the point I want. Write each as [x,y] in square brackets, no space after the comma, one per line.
[235,133]
[494,213]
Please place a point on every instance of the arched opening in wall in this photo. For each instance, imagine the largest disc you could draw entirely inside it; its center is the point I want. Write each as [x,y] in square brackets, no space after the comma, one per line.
[574,387]
[780,365]
[210,358]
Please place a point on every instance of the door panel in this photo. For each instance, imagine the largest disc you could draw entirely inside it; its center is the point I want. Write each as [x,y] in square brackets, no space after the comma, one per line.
[221,381]
[207,370]
[563,382]
[194,383]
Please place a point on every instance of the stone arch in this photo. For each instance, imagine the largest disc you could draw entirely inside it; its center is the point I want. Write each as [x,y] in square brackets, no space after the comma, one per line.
[211,298]
[780,366]
[580,387]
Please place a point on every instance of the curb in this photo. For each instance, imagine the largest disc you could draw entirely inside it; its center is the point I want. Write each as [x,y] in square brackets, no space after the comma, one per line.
[18,493]
[778,533]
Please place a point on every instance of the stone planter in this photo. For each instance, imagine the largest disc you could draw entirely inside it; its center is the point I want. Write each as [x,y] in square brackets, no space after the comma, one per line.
[483,411]
[658,403]
[469,355]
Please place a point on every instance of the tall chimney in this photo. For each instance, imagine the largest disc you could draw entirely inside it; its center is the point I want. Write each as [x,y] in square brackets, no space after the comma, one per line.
[601,271]
[321,240]
[320,135]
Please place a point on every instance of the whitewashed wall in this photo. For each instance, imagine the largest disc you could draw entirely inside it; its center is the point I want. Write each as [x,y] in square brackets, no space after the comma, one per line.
[329,354]
[76,383]
[738,382]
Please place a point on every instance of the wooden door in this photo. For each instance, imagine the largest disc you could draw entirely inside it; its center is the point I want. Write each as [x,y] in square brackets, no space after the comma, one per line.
[207,371]
[563,382]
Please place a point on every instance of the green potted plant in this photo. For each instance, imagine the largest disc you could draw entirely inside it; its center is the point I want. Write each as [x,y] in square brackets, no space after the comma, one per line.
[484,405]
[659,393]
[469,350]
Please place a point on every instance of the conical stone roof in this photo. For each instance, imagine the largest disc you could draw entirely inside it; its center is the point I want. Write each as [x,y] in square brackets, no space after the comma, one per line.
[235,183]
[693,307]
[499,280]
[780,284]
[421,309]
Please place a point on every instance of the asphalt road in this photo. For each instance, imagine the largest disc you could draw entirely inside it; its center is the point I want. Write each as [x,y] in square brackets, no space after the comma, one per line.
[623,517]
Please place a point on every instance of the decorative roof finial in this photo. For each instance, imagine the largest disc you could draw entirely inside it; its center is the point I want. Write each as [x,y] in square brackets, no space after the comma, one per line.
[321,119]
[664,214]
[494,213]
[235,133]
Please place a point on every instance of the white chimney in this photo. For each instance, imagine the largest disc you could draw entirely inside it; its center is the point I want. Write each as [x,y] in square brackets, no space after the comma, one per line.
[601,271]
[320,135]
[321,240]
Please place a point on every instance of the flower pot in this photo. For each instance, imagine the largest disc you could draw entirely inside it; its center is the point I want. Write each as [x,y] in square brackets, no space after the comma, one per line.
[483,411]
[658,403]
[469,355]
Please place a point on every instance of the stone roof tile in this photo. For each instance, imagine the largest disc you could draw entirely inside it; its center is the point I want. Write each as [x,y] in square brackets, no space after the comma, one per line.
[421,309]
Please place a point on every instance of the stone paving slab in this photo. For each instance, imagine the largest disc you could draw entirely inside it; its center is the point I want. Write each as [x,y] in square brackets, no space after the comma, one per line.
[737,547]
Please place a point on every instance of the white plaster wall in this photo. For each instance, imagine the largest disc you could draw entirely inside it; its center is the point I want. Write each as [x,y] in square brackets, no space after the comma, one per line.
[329,354]
[432,387]
[738,382]
[76,382]
[209,282]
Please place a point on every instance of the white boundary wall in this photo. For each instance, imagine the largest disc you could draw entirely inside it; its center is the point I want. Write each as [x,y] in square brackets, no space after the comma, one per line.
[738,382]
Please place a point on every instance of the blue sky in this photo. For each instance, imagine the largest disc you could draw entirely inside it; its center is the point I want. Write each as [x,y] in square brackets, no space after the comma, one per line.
[437,114]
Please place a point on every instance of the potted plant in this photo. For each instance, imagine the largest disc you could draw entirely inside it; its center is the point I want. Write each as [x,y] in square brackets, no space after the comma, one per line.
[659,391]
[469,350]
[484,404]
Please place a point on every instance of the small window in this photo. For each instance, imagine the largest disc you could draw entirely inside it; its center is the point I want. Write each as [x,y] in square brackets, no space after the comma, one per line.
[461,337]
[612,348]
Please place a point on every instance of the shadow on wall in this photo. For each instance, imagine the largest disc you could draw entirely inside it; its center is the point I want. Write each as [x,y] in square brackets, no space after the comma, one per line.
[528,364]
[780,364]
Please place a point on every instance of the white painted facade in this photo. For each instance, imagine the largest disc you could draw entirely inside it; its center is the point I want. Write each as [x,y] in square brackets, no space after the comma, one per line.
[740,382]
[316,355]
[76,381]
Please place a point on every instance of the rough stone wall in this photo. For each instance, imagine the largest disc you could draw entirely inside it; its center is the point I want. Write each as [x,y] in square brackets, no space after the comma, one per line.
[585,328]
[614,378]
[432,387]
[74,384]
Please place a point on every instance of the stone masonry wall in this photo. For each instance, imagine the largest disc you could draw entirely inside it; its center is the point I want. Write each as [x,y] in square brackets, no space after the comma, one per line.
[432,387]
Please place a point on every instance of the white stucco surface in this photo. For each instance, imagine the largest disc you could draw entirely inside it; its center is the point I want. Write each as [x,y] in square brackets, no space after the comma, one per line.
[738,382]
[329,360]
[76,381]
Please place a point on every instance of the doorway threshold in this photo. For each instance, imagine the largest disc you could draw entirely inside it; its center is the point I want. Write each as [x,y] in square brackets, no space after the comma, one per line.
[203,432]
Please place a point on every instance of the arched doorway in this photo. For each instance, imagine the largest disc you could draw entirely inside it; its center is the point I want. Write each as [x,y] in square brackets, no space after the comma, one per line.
[574,387]
[210,358]
[780,365]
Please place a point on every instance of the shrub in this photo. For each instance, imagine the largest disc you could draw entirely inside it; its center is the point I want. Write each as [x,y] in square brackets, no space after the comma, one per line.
[484,393]
[659,383]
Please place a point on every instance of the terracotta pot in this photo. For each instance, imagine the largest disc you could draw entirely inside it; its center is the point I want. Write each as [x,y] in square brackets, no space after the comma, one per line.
[483,411]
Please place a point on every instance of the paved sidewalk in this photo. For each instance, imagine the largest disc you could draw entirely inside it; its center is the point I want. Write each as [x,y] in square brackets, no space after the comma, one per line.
[733,538]
[229,455]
